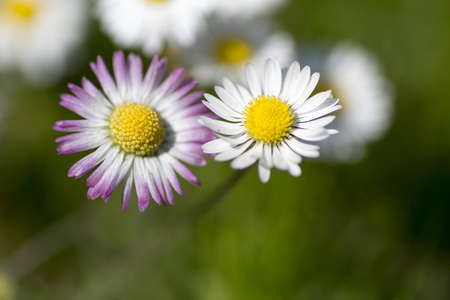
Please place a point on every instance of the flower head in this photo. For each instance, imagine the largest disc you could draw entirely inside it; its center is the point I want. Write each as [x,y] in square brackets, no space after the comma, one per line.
[355,76]
[228,45]
[141,126]
[150,24]
[37,36]
[271,121]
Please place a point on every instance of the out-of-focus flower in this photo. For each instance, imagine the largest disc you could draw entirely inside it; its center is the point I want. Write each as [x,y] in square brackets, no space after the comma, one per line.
[150,24]
[229,45]
[355,77]
[37,36]
[247,8]
[140,127]
[269,121]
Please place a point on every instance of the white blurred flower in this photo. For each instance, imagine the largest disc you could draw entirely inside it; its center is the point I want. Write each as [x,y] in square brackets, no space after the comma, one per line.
[150,24]
[229,45]
[366,96]
[36,36]
[247,8]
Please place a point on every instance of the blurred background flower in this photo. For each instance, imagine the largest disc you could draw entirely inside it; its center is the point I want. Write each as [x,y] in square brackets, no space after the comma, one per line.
[228,45]
[375,229]
[355,77]
[151,24]
[38,38]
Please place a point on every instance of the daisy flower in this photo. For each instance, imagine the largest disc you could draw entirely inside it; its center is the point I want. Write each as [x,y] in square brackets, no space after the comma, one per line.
[355,77]
[150,24]
[247,9]
[142,129]
[271,121]
[37,36]
[229,45]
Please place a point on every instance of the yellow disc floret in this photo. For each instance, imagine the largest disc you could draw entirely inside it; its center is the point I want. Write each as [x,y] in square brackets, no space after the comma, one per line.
[268,119]
[136,128]
[232,50]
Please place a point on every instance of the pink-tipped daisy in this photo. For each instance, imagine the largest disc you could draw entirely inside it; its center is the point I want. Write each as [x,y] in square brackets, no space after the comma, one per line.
[270,122]
[142,127]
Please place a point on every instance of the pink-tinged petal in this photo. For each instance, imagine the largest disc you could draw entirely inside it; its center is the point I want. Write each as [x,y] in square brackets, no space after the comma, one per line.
[106,80]
[169,85]
[126,190]
[170,174]
[124,169]
[108,181]
[77,125]
[88,162]
[135,64]
[153,76]
[74,146]
[120,72]
[192,159]
[172,101]
[149,164]
[148,179]
[86,111]
[182,170]
[190,99]
[199,135]
[193,110]
[168,189]
[90,88]
[83,135]
[95,177]
[141,186]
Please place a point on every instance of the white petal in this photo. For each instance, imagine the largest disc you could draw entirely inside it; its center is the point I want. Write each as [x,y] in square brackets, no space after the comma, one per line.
[253,81]
[278,159]
[247,158]
[303,149]
[233,152]
[321,122]
[308,90]
[314,102]
[216,146]
[272,78]
[290,80]
[263,172]
[222,127]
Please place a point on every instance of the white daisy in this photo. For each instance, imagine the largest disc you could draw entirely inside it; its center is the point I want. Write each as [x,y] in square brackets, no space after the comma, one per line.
[271,120]
[140,127]
[228,46]
[367,97]
[247,9]
[37,36]
[150,24]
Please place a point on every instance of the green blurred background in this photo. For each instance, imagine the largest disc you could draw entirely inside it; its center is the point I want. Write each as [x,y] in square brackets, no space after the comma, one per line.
[378,229]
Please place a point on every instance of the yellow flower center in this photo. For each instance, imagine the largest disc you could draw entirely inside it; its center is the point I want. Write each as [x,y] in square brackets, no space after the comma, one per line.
[268,119]
[156,1]
[232,50]
[23,10]
[136,128]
